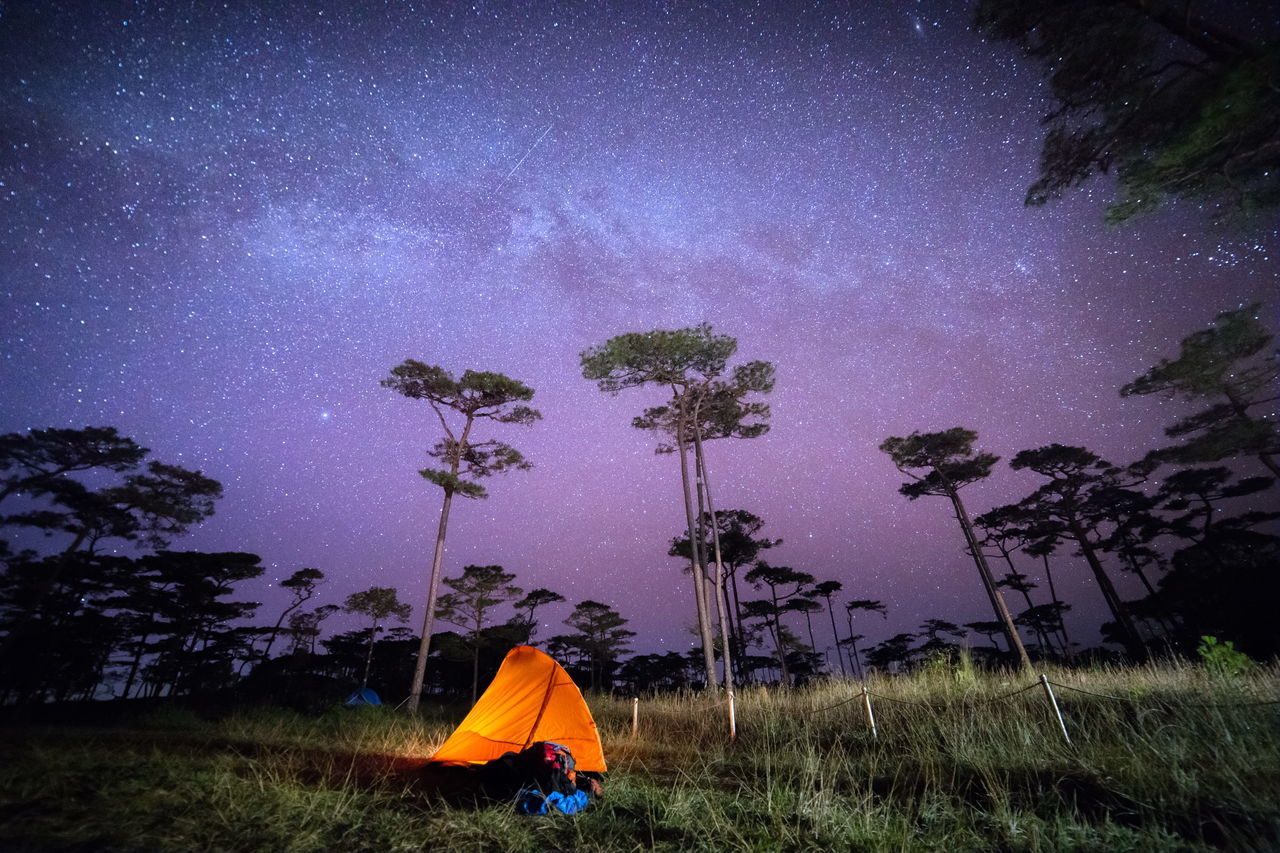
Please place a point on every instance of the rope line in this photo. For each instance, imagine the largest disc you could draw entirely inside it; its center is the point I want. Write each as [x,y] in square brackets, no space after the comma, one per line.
[966,702]
[1012,693]
[837,705]
[904,701]
[1032,686]
[1090,692]
[1184,704]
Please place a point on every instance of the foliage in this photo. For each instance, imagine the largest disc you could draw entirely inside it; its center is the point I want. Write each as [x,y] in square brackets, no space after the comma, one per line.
[303,584]
[953,663]
[529,605]
[658,357]
[666,672]
[1222,659]
[476,395]
[716,409]
[781,600]
[476,592]
[1077,500]
[1232,366]
[946,458]
[33,461]
[1226,586]
[194,642]
[601,637]
[350,662]
[738,543]
[152,504]
[378,603]
[1177,106]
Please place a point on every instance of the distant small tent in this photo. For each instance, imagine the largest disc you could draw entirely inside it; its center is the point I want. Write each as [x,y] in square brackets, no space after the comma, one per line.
[531,699]
[363,696]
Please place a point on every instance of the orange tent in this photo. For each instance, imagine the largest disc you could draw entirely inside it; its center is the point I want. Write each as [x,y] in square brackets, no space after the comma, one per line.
[531,698]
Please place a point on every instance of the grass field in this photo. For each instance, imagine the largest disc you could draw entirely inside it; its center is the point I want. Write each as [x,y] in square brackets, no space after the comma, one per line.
[1168,758]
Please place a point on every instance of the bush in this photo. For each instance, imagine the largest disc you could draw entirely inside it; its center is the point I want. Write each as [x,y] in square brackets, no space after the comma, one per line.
[1222,658]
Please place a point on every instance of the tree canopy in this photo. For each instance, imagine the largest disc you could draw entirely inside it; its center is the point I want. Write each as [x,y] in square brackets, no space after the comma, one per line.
[1172,102]
[1233,366]
[946,459]
[661,356]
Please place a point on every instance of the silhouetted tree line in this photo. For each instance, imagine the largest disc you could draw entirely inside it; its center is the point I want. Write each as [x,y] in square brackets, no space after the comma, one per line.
[79,620]
[1176,520]
[94,603]
[1187,523]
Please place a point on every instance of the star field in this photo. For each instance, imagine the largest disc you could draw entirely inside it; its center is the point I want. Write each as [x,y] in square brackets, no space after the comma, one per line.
[223,225]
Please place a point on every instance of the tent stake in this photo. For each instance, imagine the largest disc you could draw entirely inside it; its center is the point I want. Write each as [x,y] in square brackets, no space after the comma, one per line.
[871,718]
[1048,691]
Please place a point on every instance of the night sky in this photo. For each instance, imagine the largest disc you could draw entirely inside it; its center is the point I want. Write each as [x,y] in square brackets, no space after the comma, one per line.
[223,225]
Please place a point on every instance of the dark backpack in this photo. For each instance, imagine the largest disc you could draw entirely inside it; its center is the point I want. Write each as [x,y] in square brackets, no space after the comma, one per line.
[543,766]
[550,766]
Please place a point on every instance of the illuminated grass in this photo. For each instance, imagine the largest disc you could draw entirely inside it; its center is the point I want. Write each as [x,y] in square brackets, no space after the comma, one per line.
[1180,764]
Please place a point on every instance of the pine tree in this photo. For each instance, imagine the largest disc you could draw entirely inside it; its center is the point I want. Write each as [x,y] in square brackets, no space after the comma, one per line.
[476,396]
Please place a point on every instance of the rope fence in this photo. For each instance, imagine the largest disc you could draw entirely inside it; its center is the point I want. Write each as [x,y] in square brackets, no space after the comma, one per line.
[1043,682]
[1187,704]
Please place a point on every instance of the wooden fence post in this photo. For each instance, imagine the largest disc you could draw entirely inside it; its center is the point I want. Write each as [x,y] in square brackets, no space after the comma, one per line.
[871,718]
[733,719]
[635,716]
[1053,702]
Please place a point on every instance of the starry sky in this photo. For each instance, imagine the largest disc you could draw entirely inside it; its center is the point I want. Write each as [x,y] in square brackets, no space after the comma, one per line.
[223,224]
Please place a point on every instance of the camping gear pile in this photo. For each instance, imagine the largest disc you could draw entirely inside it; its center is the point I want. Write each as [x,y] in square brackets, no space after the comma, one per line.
[540,780]
[532,738]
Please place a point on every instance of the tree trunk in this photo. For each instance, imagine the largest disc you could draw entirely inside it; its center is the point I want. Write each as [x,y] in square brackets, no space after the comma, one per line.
[1026,596]
[428,618]
[726,656]
[135,664]
[1133,642]
[368,658]
[1168,624]
[266,653]
[997,600]
[1057,608]
[808,622]
[783,672]
[854,660]
[737,617]
[433,587]
[475,671]
[835,637]
[699,589]
[1241,408]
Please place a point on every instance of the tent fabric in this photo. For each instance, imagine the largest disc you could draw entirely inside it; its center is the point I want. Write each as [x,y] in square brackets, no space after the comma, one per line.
[363,696]
[531,698]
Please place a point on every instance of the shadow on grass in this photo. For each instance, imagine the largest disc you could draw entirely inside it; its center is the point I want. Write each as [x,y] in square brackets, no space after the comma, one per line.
[412,776]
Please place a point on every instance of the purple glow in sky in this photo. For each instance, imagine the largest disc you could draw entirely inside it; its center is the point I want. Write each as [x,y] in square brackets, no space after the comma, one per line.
[223,225]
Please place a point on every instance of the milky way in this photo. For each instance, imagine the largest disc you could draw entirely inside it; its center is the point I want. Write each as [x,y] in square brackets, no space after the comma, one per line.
[224,225]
